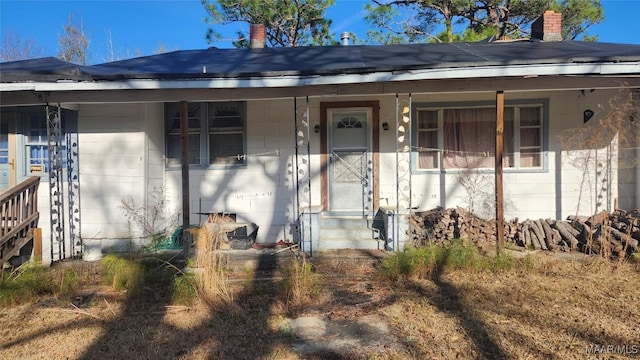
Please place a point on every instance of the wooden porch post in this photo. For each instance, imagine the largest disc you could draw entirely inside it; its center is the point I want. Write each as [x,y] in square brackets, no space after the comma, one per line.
[184,161]
[498,171]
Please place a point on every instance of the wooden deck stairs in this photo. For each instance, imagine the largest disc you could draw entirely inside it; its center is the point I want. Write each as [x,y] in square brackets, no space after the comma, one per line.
[18,218]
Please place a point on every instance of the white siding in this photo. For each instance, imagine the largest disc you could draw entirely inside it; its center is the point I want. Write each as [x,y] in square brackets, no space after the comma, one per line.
[263,191]
[122,155]
[113,163]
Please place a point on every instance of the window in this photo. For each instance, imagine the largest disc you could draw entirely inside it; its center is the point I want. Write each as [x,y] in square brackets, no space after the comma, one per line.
[429,155]
[226,134]
[37,146]
[530,137]
[24,135]
[216,133]
[172,113]
[464,137]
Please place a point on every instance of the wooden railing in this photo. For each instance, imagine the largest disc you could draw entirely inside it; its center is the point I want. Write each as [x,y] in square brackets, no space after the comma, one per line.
[18,217]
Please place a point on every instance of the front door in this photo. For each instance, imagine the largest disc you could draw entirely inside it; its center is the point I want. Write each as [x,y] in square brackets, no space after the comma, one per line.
[350,163]
[7,150]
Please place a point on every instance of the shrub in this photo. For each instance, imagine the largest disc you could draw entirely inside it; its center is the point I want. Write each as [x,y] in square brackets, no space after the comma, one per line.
[503,262]
[184,290]
[68,281]
[26,283]
[420,262]
[398,264]
[461,256]
[123,274]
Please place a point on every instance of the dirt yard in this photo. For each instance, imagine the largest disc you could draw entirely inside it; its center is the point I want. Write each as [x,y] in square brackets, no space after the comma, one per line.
[556,309]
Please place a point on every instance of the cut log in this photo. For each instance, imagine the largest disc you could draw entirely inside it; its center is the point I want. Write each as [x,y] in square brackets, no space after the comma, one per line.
[566,234]
[557,236]
[532,235]
[624,238]
[537,229]
[597,219]
[527,235]
[548,235]
[534,239]
[520,237]
[564,246]
[570,227]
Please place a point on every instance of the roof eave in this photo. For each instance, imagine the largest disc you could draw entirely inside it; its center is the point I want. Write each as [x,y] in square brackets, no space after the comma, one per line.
[290,80]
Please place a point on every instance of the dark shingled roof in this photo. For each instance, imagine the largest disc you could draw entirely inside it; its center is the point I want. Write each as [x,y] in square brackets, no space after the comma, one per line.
[312,60]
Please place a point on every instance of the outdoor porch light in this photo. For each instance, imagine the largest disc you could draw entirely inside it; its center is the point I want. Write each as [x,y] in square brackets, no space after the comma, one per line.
[385,126]
[587,115]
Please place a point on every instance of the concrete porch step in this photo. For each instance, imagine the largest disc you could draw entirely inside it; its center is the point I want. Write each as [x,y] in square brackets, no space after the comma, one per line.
[340,231]
[361,232]
[345,222]
[350,243]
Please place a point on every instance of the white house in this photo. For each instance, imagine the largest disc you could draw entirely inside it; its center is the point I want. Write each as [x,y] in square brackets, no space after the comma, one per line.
[302,141]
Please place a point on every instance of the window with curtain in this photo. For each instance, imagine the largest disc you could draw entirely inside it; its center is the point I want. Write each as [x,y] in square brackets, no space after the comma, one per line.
[459,138]
[216,133]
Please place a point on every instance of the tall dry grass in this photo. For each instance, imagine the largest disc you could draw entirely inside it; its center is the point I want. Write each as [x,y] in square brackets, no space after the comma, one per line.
[212,282]
[300,284]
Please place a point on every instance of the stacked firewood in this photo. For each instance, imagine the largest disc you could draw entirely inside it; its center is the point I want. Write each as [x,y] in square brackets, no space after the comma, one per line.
[610,234]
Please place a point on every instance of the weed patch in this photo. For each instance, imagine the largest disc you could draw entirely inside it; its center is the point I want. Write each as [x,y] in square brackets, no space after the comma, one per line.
[68,282]
[427,261]
[184,290]
[25,284]
[123,274]
[635,259]
[503,262]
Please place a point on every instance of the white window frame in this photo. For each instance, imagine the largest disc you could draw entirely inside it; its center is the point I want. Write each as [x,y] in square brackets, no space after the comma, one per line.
[203,132]
[542,104]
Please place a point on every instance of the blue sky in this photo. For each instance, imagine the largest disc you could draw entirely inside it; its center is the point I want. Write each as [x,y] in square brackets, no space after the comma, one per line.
[140,27]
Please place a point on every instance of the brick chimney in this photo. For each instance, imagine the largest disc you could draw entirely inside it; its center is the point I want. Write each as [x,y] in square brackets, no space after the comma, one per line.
[257,36]
[547,27]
